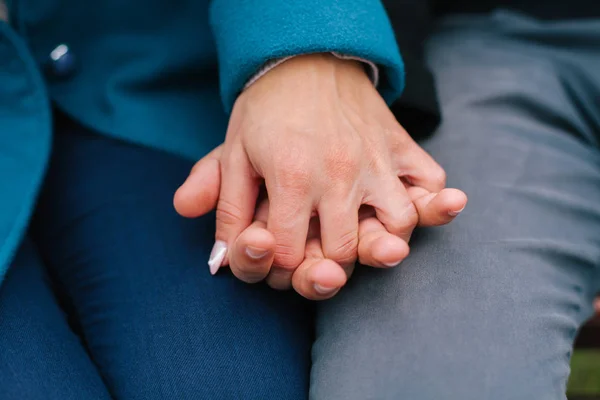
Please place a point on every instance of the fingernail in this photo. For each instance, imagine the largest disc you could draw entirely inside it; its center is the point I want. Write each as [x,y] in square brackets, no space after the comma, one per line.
[323,289]
[217,255]
[392,264]
[455,213]
[255,253]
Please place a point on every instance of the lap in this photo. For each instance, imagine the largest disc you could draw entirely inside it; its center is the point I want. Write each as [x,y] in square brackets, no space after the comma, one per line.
[488,306]
[41,357]
[157,324]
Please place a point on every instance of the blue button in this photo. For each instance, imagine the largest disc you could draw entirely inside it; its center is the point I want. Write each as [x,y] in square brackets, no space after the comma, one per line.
[62,61]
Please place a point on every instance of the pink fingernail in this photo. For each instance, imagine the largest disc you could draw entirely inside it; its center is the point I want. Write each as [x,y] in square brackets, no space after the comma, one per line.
[217,255]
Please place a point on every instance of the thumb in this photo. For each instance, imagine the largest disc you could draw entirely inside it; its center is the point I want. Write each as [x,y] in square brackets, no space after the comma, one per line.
[199,193]
[236,204]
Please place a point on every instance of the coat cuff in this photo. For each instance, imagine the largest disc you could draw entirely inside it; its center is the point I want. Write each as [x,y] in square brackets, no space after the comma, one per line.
[250,33]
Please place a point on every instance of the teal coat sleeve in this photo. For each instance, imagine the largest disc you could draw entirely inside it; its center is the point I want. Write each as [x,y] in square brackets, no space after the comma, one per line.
[248,33]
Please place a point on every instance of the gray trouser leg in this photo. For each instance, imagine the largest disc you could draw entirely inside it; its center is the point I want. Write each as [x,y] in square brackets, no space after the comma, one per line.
[487,307]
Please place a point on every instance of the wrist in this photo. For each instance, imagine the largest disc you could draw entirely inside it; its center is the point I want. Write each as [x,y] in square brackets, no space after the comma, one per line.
[329,62]
[310,77]
[370,68]
[322,67]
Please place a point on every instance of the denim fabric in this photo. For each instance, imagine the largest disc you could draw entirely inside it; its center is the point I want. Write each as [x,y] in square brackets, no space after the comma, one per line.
[41,357]
[488,306]
[132,277]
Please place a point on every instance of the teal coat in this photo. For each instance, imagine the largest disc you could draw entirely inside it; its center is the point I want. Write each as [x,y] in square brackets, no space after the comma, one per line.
[159,73]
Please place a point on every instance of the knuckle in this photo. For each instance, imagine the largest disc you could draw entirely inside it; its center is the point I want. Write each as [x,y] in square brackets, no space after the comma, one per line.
[228,213]
[438,177]
[287,257]
[345,249]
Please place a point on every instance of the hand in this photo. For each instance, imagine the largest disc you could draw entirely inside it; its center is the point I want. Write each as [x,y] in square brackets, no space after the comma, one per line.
[317,132]
[317,278]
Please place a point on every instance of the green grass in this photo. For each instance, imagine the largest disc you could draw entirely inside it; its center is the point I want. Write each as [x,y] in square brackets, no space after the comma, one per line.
[585,373]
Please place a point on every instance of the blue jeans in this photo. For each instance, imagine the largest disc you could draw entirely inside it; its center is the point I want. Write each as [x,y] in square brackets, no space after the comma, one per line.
[110,295]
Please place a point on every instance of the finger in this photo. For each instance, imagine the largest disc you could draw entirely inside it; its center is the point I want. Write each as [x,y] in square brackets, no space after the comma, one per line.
[236,205]
[393,207]
[199,193]
[416,165]
[315,232]
[377,247]
[437,209]
[289,214]
[338,217]
[420,169]
[318,278]
[251,255]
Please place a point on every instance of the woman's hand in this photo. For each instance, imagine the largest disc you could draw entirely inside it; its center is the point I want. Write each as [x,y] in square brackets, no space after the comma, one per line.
[318,134]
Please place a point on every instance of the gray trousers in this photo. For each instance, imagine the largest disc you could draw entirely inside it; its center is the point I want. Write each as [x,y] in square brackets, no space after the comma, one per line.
[487,308]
